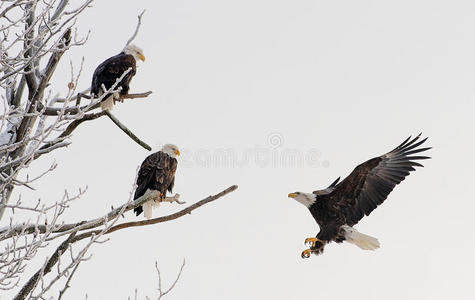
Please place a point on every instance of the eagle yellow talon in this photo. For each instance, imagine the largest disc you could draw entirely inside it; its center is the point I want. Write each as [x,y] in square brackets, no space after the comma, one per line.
[313,241]
[306,253]
[158,197]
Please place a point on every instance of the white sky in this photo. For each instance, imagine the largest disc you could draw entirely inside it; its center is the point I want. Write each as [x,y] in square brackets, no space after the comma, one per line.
[337,81]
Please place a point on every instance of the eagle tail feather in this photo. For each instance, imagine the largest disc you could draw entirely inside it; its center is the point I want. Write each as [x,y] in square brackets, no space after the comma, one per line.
[108,103]
[359,239]
[147,208]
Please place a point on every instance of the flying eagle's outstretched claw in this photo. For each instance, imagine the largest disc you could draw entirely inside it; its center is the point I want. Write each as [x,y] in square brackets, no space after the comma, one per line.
[306,253]
[312,241]
[316,247]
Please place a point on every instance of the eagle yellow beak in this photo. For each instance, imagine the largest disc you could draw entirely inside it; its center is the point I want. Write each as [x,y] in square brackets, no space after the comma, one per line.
[292,195]
[177,152]
[141,56]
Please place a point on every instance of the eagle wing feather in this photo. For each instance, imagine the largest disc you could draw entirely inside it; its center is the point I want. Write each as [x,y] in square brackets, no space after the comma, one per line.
[146,174]
[371,182]
[110,70]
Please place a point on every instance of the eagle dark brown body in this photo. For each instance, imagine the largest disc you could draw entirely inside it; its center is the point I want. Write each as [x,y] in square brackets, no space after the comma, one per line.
[157,173]
[112,69]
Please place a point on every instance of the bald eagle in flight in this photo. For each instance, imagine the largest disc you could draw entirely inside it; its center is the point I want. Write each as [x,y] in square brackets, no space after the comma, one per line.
[157,176]
[112,69]
[340,206]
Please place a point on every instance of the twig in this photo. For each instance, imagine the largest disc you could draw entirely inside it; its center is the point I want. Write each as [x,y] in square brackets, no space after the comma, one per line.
[161,293]
[74,98]
[66,285]
[4,12]
[127,131]
[139,22]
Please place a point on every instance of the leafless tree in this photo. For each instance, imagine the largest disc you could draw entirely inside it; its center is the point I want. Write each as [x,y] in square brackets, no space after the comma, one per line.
[37,120]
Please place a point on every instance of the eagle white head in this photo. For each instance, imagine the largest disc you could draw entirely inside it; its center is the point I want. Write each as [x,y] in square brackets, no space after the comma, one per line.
[171,150]
[135,51]
[306,199]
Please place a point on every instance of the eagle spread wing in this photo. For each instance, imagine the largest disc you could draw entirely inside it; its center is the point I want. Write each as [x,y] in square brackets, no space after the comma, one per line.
[110,70]
[371,182]
[156,173]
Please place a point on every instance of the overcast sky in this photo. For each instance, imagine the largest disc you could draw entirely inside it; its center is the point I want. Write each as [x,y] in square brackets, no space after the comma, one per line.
[241,87]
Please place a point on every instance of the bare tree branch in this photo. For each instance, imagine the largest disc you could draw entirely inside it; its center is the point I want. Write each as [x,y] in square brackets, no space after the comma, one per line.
[171,217]
[71,127]
[127,131]
[160,290]
[139,22]
[53,111]
[8,232]
[4,12]
[66,285]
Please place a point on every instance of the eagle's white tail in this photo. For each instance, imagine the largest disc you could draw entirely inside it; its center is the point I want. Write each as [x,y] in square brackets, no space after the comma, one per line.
[147,208]
[108,104]
[361,240]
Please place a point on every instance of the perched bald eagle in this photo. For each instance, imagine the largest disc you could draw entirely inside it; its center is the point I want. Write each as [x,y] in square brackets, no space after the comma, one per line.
[112,69]
[340,206]
[157,176]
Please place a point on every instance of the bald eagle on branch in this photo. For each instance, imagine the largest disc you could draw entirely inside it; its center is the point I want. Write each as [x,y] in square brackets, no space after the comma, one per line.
[342,205]
[108,72]
[156,177]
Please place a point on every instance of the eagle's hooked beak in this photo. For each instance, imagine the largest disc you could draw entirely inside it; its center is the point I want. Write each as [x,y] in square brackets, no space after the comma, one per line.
[141,56]
[177,152]
[292,195]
